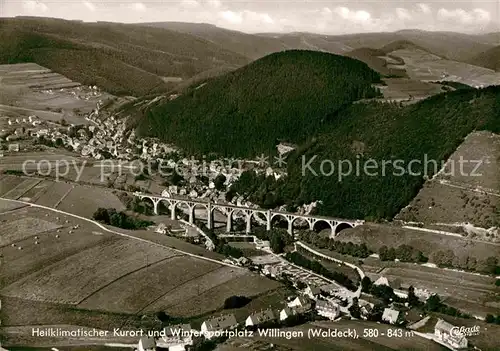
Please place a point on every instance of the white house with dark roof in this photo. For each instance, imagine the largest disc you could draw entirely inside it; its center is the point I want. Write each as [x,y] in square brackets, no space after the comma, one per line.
[146,343]
[211,326]
[391,316]
[259,318]
[444,332]
[300,302]
[327,309]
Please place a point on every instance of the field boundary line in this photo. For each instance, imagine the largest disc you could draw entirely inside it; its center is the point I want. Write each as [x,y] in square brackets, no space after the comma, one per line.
[34,185]
[64,196]
[124,275]
[11,211]
[442,232]
[213,287]
[14,188]
[123,234]
[478,189]
[177,287]
[42,192]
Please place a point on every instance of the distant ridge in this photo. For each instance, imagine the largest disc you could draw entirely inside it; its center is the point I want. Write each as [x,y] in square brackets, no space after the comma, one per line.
[489,59]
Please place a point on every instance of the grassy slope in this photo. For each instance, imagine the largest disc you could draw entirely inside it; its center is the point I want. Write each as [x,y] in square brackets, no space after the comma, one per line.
[122,59]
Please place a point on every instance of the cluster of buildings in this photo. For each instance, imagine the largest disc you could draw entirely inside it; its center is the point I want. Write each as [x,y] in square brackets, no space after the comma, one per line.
[79,93]
[449,335]
[21,128]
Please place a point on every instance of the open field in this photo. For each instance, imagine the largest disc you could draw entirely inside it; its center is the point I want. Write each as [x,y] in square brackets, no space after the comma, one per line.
[462,193]
[213,299]
[7,183]
[22,335]
[95,270]
[20,189]
[193,288]
[55,192]
[76,277]
[134,292]
[23,312]
[448,207]
[404,88]
[6,206]
[15,160]
[33,194]
[16,230]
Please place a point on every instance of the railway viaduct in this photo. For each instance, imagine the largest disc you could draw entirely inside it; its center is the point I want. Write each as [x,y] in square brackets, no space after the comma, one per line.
[336,225]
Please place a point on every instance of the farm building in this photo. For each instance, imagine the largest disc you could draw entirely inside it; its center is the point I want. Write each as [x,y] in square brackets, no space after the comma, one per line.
[391,316]
[146,344]
[300,302]
[327,309]
[259,318]
[218,324]
[444,332]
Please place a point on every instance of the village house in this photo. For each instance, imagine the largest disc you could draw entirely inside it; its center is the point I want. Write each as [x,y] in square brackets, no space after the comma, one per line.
[443,331]
[176,337]
[211,326]
[327,309]
[287,312]
[271,270]
[146,343]
[365,309]
[391,316]
[161,229]
[259,318]
[300,302]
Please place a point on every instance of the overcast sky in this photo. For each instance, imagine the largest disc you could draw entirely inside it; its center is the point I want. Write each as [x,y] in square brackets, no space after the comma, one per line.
[331,17]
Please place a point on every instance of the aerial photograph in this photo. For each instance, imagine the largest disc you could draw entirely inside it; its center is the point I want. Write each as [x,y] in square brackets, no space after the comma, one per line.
[262,175]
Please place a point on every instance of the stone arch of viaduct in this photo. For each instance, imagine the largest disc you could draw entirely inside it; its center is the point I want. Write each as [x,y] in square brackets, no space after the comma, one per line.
[336,225]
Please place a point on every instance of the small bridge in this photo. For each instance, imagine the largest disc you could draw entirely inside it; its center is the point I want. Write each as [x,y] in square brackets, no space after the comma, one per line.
[336,225]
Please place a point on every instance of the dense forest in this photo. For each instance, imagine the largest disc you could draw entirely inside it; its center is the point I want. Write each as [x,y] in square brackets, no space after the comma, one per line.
[311,99]
[374,133]
[286,96]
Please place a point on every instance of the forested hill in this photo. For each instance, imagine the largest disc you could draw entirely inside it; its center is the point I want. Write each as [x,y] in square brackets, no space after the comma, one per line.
[286,96]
